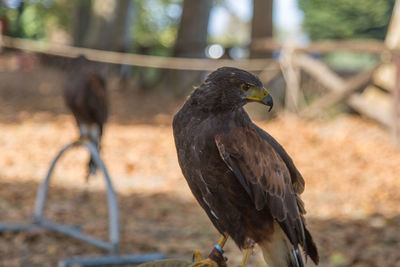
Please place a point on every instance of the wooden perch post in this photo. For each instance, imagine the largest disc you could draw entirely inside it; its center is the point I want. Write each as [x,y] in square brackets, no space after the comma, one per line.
[1,37]
[393,42]
[396,100]
[291,74]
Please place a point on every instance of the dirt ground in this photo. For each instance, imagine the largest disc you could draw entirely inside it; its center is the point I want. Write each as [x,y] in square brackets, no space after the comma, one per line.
[352,174]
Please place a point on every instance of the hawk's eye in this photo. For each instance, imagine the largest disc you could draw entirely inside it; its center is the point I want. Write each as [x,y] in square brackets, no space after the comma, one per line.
[246,87]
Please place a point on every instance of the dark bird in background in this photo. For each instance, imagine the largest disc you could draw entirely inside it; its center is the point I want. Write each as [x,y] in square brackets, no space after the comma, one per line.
[240,175]
[86,96]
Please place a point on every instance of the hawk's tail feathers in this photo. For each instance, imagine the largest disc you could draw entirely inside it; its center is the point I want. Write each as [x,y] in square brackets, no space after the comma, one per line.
[312,250]
[279,252]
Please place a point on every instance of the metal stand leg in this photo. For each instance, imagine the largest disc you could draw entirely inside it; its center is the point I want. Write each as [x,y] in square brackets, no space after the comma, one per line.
[112,246]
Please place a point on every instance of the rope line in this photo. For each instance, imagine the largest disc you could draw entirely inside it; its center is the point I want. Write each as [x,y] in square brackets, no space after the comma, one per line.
[176,63]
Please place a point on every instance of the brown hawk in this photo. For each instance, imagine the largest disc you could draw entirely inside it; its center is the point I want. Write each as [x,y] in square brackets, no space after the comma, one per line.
[240,175]
[86,96]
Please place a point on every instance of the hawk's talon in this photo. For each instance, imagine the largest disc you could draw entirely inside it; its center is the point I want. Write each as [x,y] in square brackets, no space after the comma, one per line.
[196,256]
[246,254]
[204,263]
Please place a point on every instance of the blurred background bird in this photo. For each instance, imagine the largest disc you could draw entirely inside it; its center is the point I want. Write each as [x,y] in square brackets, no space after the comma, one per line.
[85,95]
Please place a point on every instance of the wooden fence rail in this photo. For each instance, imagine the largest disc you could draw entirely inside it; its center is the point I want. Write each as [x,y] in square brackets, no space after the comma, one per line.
[370,46]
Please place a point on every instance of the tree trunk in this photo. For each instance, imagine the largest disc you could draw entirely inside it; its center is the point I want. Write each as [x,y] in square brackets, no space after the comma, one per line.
[114,34]
[262,27]
[261,24]
[81,22]
[108,25]
[105,25]
[20,30]
[192,33]
[191,42]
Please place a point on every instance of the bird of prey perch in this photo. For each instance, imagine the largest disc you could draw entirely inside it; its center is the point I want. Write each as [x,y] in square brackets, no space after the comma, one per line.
[240,175]
[86,96]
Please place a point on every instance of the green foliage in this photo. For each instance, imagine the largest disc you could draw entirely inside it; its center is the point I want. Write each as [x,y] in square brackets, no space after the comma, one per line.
[32,22]
[13,22]
[344,19]
[350,61]
[36,19]
[156,24]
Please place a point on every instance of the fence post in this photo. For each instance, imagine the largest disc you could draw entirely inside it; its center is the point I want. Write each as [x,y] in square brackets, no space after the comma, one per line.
[396,100]
[1,37]
[291,74]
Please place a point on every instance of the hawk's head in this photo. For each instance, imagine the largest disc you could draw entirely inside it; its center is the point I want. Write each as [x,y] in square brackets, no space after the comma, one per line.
[235,88]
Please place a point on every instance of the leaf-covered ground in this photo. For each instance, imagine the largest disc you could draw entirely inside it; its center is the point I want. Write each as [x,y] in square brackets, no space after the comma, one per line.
[351,169]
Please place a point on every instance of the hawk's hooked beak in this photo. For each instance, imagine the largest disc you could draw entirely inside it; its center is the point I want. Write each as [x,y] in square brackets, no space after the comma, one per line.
[260,95]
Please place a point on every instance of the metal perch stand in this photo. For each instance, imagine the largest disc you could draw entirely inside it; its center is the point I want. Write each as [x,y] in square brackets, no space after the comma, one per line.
[112,246]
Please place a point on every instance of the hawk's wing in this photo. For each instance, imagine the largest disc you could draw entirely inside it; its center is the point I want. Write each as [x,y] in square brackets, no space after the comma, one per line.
[297,179]
[265,177]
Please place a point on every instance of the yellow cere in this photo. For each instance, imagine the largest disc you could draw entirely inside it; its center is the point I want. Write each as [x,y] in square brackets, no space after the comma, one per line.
[256,94]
